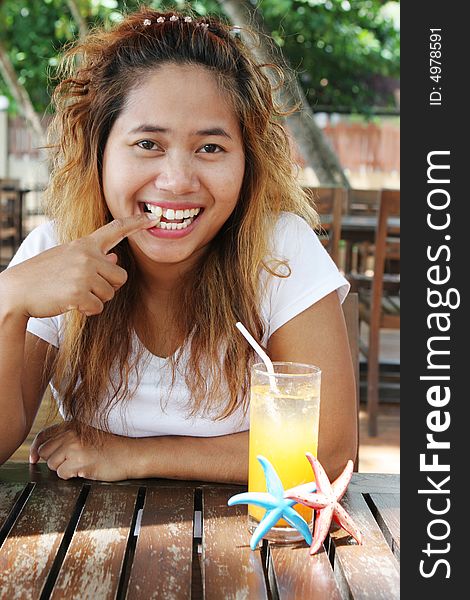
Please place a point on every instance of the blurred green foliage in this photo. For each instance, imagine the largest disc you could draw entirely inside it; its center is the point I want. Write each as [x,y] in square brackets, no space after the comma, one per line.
[345,52]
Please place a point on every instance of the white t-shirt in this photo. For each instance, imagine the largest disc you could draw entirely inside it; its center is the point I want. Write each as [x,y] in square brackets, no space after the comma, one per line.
[313,276]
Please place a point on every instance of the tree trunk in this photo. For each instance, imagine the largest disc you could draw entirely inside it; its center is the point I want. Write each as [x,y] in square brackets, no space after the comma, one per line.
[309,137]
[20,94]
[77,17]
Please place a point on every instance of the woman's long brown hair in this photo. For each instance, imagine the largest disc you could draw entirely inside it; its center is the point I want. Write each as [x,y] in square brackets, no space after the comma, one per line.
[97,354]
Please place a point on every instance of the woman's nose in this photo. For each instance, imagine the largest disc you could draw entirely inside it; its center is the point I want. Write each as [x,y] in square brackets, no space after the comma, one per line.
[177,176]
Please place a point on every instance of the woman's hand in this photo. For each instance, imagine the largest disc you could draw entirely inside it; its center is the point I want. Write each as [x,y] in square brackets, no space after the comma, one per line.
[64,453]
[79,275]
[223,458]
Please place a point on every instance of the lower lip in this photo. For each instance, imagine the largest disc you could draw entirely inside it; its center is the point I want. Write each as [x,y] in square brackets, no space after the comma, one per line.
[172,234]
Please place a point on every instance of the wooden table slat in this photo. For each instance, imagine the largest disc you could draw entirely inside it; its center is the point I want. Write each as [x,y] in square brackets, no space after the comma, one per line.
[93,563]
[369,483]
[9,494]
[370,570]
[299,575]
[29,551]
[387,514]
[230,570]
[163,557]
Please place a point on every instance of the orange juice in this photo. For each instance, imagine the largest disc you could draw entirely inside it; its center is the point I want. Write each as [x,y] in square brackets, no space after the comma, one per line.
[283,427]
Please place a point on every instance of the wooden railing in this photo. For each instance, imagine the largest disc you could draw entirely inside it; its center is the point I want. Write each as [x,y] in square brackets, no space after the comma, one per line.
[21,141]
[366,146]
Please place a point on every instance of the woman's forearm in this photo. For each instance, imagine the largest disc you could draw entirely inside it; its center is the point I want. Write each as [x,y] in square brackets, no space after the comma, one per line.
[223,458]
[13,422]
[12,343]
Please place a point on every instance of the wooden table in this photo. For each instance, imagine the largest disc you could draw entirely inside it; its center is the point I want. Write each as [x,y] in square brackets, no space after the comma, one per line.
[367,223]
[166,539]
[362,227]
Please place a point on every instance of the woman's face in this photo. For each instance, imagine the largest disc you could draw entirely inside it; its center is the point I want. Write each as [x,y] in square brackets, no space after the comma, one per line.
[175,149]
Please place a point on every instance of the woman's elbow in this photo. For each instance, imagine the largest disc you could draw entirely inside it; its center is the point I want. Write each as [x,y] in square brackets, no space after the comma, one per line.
[334,454]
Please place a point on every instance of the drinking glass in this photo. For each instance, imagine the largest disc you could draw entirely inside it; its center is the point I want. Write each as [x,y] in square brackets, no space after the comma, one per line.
[284,414]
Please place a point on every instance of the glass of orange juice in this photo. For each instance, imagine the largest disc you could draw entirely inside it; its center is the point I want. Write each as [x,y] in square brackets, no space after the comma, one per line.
[284,415]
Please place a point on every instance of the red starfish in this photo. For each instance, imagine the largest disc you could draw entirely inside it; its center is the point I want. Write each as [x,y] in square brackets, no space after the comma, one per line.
[326,502]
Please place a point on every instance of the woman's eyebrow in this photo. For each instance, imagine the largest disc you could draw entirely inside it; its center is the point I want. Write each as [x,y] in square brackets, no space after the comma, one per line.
[147,128]
[214,131]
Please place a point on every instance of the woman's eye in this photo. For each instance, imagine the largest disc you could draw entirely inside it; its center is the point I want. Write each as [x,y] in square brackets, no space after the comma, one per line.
[146,144]
[211,148]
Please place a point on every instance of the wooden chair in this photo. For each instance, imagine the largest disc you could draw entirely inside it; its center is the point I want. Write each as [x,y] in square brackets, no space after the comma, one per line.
[351,318]
[363,202]
[379,298]
[10,219]
[330,203]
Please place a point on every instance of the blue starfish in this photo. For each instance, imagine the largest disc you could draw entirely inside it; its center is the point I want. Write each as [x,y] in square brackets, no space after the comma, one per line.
[276,505]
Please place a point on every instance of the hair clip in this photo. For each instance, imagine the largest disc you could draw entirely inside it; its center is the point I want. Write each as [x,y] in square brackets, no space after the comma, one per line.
[173,19]
[203,25]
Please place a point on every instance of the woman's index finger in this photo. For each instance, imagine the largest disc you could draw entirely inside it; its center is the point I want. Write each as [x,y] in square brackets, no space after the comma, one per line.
[114,232]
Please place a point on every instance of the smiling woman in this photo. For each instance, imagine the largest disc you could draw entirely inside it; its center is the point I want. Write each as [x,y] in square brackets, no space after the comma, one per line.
[174,213]
[176,166]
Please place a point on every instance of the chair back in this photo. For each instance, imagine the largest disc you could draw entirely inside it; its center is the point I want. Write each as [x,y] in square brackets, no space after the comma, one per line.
[387,247]
[10,219]
[351,318]
[330,203]
[363,202]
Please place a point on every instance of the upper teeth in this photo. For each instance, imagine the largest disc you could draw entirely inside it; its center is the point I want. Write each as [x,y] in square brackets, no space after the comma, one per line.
[170,213]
